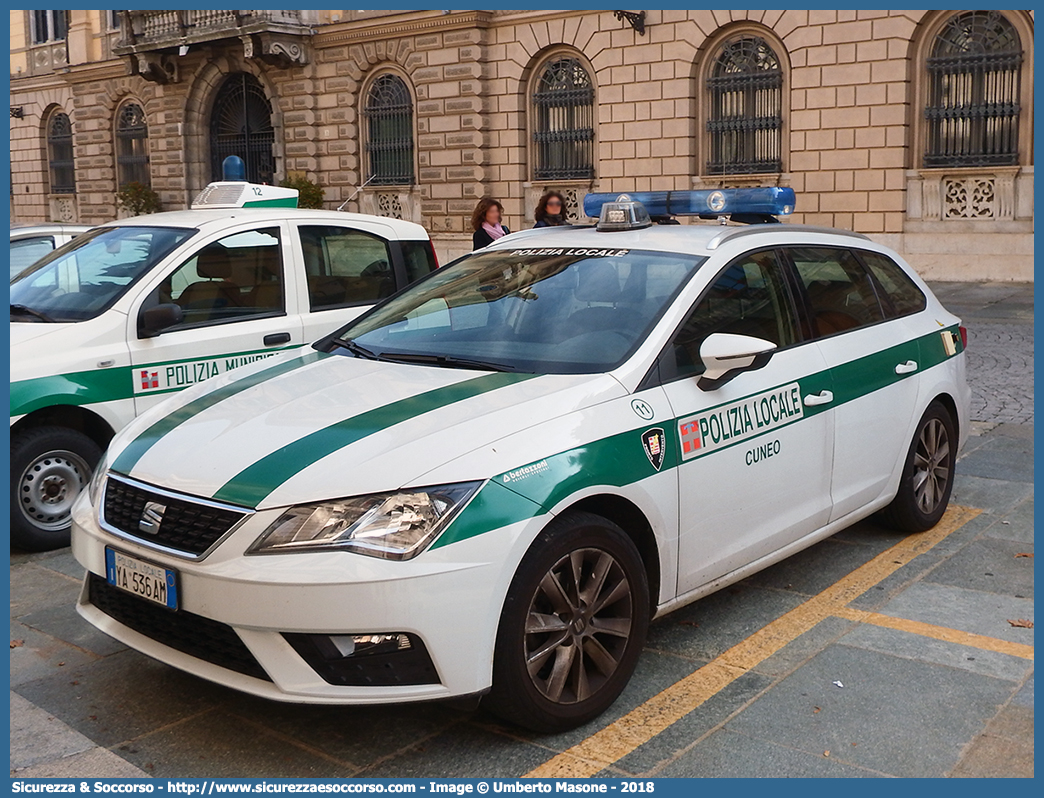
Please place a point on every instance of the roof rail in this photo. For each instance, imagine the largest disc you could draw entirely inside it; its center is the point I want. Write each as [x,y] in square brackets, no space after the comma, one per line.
[735,232]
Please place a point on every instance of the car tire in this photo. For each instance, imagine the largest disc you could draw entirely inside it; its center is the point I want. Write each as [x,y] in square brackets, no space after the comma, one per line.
[927,480]
[559,594]
[49,468]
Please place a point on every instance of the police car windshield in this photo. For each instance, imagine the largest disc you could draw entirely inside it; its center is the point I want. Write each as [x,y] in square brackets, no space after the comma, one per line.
[83,278]
[559,311]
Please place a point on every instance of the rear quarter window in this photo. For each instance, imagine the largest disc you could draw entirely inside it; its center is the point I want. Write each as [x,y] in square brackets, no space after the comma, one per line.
[900,291]
[419,258]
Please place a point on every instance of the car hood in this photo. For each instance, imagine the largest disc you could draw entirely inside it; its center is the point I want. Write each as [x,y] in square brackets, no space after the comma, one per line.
[312,427]
[29,330]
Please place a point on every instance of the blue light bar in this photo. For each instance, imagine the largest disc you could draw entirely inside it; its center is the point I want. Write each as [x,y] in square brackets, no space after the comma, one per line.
[770,200]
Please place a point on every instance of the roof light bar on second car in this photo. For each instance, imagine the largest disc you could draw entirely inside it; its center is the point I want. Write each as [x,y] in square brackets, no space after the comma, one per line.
[708,203]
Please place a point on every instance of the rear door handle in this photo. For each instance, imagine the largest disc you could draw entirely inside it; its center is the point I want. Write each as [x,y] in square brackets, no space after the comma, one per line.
[822,398]
[909,367]
[277,338]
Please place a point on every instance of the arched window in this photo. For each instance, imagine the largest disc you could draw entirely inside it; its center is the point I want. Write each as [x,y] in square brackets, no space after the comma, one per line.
[745,108]
[974,74]
[61,168]
[563,120]
[132,146]
[389,131]
[241,124]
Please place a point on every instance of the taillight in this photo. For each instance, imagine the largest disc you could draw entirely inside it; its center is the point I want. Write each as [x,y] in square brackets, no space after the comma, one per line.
[964,336]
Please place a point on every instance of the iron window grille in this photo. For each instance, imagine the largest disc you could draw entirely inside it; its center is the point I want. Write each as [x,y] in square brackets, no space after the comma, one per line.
[49,26]
[746,101]
[60,155]
[974,77]
[563,122]
[132,146]
[241,124]
[389,144]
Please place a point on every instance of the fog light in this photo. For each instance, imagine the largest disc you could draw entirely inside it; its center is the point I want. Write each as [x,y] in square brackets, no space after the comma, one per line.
[362,645]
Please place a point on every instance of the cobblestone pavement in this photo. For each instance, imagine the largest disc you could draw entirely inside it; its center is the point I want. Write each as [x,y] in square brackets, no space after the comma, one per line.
[935,663]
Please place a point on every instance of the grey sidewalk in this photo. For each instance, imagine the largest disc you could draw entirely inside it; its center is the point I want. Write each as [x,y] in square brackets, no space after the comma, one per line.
[82,705]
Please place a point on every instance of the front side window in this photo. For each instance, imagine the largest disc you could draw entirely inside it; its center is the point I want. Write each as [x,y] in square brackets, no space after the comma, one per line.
[840,293]
[748,298]
[563,122]
[61,167]
[132,146]
[974,75]
[238,277]
[83,278]
[345,267]
[562,311]
[745,121]
[389,120]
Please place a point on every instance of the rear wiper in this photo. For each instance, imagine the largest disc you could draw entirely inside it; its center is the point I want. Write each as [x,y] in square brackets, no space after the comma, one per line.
[27,311]
[446,361]
[355,349]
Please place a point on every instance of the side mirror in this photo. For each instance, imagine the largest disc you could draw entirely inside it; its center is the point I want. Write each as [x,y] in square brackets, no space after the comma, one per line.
[726,356]
[152,321]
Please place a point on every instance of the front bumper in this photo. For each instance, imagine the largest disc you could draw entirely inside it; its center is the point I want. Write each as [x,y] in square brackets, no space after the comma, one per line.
[449,599]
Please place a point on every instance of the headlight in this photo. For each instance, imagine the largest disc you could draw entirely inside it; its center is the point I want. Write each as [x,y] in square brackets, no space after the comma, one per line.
[94,487]
[393,526]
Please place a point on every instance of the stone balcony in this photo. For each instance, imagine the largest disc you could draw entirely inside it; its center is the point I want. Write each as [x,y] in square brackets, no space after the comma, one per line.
[151,41]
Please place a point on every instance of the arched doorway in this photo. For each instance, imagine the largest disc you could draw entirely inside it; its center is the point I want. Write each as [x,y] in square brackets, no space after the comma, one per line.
[241,124]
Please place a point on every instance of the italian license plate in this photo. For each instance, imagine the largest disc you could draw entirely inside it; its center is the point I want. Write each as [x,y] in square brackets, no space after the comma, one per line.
[144,579]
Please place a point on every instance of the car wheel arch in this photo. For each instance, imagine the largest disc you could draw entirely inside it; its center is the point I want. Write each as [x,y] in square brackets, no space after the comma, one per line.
[72,417]
[630,518]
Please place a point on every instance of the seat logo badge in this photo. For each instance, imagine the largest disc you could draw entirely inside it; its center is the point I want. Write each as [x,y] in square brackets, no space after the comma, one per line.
[642,409]
[151,518]
[716,201]
[654,442]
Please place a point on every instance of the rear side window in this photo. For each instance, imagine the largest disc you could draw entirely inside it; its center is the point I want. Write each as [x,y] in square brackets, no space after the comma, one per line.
[419,258]
[901,293]
[345,267]
[839,290]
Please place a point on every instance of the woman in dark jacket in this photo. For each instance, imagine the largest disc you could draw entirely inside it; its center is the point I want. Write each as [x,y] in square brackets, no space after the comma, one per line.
[550,211]
[485,221]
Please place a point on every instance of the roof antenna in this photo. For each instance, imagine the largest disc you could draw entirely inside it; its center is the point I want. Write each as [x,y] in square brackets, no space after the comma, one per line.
[356,192]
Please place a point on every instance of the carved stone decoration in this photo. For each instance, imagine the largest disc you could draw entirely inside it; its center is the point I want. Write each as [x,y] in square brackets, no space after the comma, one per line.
[574,205]
[389,204]
[969,197]
[63,208]
[282,52]
[156,67]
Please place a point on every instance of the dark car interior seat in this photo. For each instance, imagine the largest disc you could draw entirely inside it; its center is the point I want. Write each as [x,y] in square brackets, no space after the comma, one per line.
[216,291]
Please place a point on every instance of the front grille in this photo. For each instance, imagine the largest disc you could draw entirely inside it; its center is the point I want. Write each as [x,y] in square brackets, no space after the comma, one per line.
[190,634]
[185,526]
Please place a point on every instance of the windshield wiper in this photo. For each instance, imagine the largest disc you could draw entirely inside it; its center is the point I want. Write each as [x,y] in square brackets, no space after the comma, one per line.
[355,349]
[23,310]
[446,361]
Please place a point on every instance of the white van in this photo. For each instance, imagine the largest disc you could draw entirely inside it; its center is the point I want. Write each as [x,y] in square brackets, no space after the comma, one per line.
[109,324]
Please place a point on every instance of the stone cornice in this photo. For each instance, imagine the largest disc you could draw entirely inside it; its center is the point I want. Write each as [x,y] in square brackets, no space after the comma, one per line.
[346,32]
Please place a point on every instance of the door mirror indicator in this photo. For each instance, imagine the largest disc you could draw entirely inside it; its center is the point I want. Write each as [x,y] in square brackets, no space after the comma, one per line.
[152,321]
[726,355]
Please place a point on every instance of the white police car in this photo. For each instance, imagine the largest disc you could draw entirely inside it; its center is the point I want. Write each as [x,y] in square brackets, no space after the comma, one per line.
[30,242]
[109,325]
[495,479]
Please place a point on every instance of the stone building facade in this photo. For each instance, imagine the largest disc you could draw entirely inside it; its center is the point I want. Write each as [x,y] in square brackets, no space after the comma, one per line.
[914,127]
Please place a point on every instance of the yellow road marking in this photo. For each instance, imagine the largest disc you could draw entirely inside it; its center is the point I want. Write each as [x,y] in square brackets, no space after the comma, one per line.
[647,720]
[938,632]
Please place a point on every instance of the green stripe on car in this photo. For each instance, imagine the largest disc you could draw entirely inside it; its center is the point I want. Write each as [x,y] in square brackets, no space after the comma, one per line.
[250,486]
[136,448]
[620,460]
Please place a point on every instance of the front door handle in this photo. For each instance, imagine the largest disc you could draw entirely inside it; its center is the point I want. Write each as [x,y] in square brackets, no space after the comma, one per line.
[821,398]
[277,338]
[909,367]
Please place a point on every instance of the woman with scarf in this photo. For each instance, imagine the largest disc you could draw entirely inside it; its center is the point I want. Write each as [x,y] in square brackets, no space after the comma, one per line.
[550,211]
[486,223]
